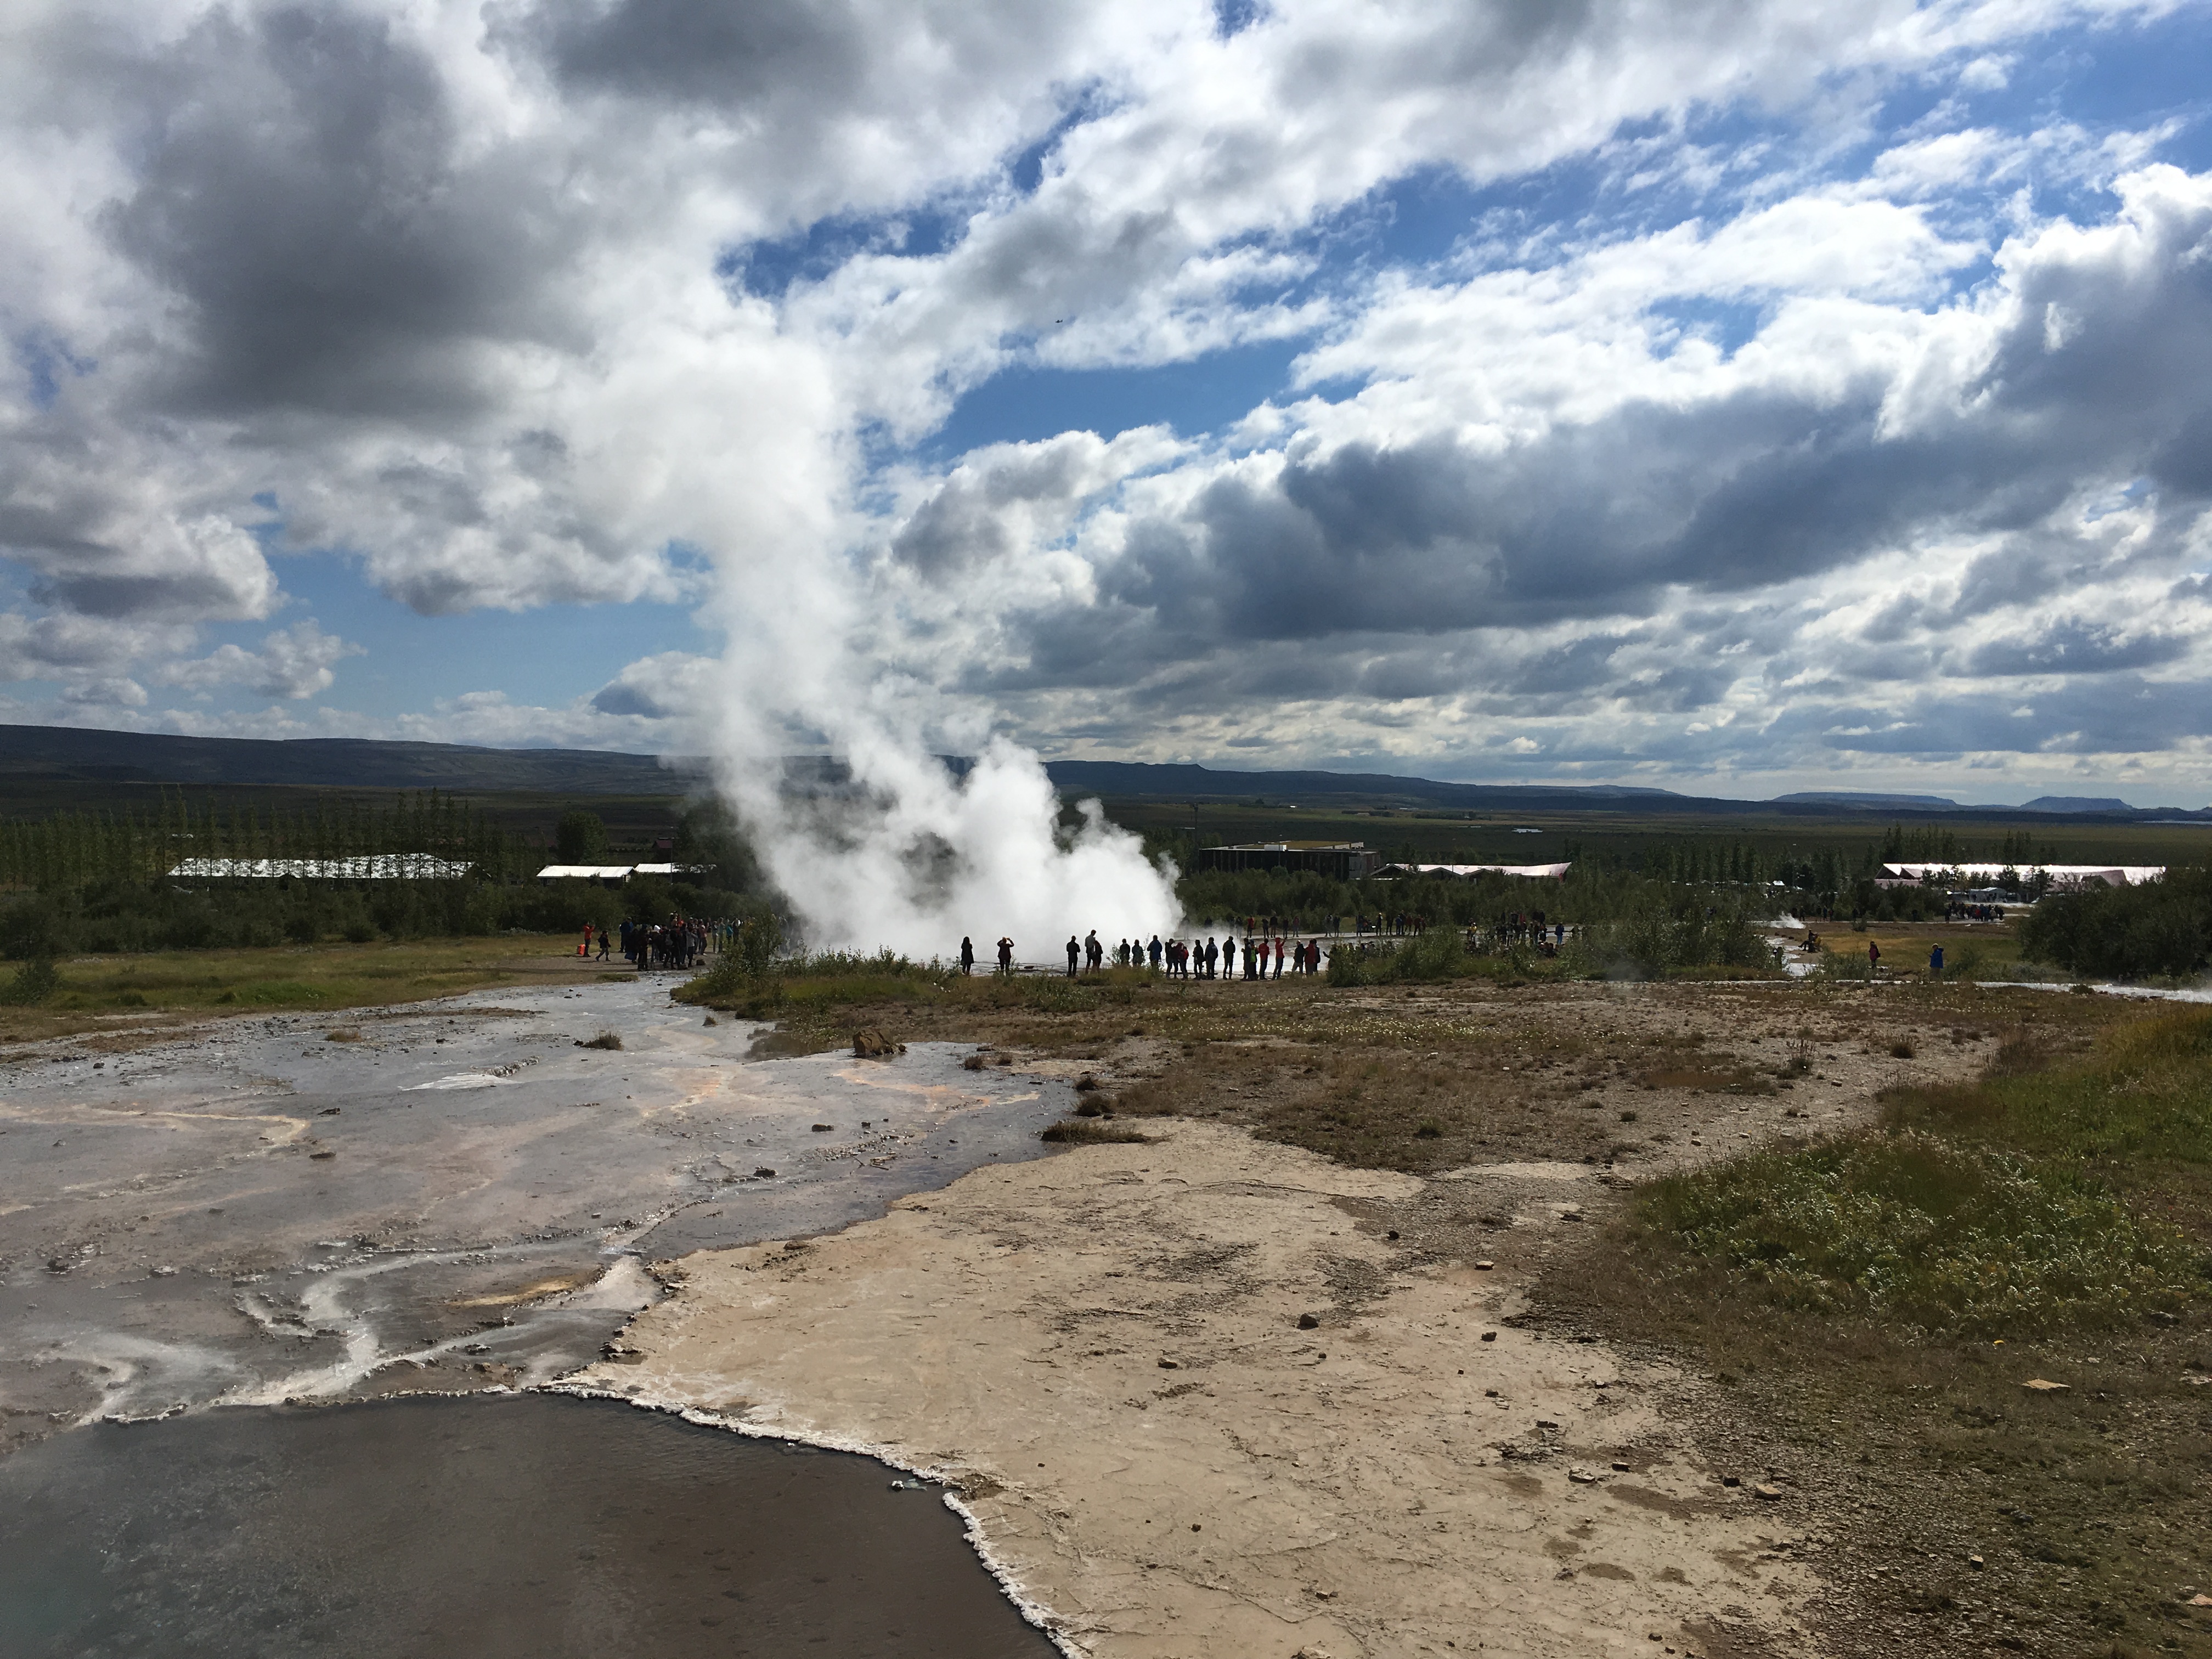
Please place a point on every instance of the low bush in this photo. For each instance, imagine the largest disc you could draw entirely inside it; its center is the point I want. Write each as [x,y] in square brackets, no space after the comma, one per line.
[2152,928]
[1093,1131]
[32,983]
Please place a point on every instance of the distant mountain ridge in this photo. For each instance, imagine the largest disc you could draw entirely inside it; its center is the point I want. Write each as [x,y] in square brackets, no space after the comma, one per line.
[2076,803]
[1863,798]
[1185,780]
[63,754]
[60,755]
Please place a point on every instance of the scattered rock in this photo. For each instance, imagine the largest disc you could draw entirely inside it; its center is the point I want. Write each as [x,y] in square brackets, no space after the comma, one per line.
[1621,1469]
[1484,1266]
[824,1128]
[1392,1235]
[1976,1563]
[1766,1493]
[764,1173]
[1730,1480]
[1546,1423]
[1490,1336]
[1167,1364]
[2044,1385]
[1308,1322]
[165,1273]
[328,1111]
[871,1043]
[2194,1601]
[1581,1477]
[711,1020]
[323,1154]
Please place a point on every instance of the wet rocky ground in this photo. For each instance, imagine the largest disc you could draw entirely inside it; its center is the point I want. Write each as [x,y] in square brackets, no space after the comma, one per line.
[444,1196]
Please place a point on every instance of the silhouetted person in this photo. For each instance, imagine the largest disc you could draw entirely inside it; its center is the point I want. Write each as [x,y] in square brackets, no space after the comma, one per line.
[967,954]
[1074,954]
[1005,956]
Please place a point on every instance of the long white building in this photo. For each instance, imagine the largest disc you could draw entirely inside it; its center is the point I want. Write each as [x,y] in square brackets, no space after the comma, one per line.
[2062,875]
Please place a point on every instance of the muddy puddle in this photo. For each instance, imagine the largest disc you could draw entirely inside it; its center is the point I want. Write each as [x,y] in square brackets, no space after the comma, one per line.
[538,1525]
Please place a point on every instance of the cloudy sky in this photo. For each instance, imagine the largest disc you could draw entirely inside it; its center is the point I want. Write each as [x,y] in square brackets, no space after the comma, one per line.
[1713,395]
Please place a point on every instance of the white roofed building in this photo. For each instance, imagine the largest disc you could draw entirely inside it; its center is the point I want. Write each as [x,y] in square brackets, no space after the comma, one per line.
[2062,875]
[379,866]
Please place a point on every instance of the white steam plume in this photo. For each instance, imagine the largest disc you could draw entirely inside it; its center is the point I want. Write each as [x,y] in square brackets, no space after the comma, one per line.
[903,854]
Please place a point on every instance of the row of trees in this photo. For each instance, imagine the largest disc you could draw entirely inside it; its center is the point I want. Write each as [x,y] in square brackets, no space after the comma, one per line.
[2150,929]
[105,881]
[71,851]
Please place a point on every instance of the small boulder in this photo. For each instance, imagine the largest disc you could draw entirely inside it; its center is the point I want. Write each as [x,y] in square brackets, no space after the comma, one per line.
[871,1043]
[1308,1322]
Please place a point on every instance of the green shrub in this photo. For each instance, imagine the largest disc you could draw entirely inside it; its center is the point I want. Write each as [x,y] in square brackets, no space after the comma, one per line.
[32,983]
[2152,927]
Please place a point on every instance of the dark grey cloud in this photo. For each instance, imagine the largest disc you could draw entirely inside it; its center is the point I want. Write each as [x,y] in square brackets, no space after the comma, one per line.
[623,699]
[2120,713]
[741,53]
[2073,646]
[301,196]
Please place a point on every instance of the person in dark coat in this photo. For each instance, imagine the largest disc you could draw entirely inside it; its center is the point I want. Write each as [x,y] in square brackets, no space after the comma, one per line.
[967,954]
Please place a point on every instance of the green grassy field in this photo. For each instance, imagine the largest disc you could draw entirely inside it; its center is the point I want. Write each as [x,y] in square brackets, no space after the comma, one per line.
[165,987]
[633,821]
[1431,835]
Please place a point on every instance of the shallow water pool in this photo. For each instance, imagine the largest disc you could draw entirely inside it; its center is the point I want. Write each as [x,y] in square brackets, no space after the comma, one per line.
[521,1525]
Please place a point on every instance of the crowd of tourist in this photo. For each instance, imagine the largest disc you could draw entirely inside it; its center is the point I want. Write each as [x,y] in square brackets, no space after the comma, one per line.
[1258,955]
[677,943]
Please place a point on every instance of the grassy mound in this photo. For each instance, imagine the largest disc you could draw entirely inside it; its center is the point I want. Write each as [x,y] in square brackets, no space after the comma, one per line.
[2020,1202]
[1912,1228]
